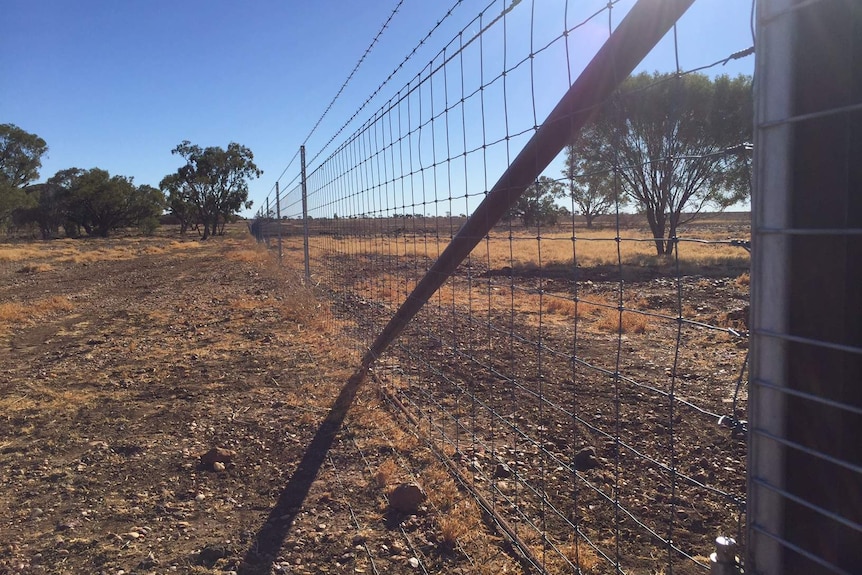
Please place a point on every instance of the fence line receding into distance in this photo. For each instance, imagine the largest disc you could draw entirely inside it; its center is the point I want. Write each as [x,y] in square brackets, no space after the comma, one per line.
[589,393]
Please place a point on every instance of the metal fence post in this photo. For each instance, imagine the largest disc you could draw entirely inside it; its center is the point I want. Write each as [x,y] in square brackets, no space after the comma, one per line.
[278,215]
[805,479]
[304,214]
[265,234]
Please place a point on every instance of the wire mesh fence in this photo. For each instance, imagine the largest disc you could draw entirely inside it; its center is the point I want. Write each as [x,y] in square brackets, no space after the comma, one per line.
[568,325]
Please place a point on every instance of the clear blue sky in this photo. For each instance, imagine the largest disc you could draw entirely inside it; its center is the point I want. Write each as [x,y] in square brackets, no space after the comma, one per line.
[116,84]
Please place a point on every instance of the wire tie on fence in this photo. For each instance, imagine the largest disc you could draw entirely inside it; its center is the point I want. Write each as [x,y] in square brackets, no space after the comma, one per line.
[737,55]
[745,244]
[739,148]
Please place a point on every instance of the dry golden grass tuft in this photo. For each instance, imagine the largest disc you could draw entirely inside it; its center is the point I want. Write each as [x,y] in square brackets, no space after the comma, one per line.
[34,268]
[560,306]
[245,304]
[743,280]
[609,320]
[32,311]
[387,473]
[247,255]
[457,523]
[16,253]
[442,490]
[582,556]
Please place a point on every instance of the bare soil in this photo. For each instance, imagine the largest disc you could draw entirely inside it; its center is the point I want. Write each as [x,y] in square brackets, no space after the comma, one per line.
[507,380]
[172,349]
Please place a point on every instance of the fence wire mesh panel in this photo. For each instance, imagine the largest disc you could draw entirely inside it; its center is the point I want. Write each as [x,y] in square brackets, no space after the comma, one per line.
[583,370]
[806,412]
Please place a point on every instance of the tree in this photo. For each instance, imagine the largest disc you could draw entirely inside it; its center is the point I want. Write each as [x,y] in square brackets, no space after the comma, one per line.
[213,181]
[99,203]
[46,209]
[679,145]
[537,205]
[20,159]
[178,205]
[146,205]
[593,193]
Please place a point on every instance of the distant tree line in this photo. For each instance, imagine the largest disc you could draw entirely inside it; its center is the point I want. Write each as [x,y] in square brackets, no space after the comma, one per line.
[204,194]
[669,146]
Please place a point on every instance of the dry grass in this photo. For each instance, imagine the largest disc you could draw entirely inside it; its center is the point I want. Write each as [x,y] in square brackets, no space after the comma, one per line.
[521,249]
[35,268]
[88,250]
[387,473]
[583,556]
[247,255]
[629,322]
[456,524]
[32,311]
[13,253]
[743,280]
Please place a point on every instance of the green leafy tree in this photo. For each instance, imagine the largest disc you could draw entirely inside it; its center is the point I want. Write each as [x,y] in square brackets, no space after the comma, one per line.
[179,204]
[100,203]
[537,205]
[146,205]
[214,181]
[20,159]
[593,194]
[46,209]
[678,146]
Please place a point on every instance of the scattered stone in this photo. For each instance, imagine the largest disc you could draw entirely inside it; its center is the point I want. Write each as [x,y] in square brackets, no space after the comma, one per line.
[502,471]
[209,555]
[217,455]
[406,498]
[66,525]
[200,497]
[148,562]
[414,562]
[218,466]
[585,459]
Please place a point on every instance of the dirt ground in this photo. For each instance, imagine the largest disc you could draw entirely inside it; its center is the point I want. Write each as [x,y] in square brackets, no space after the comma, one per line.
[656,394]
[124,360]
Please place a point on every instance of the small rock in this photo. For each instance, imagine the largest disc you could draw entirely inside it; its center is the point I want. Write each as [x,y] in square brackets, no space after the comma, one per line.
[502,471]
[585,459]
[148,562]
[200,497]
[218,466]
[217,455]
[413,562]
[406,498]
[209,555]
